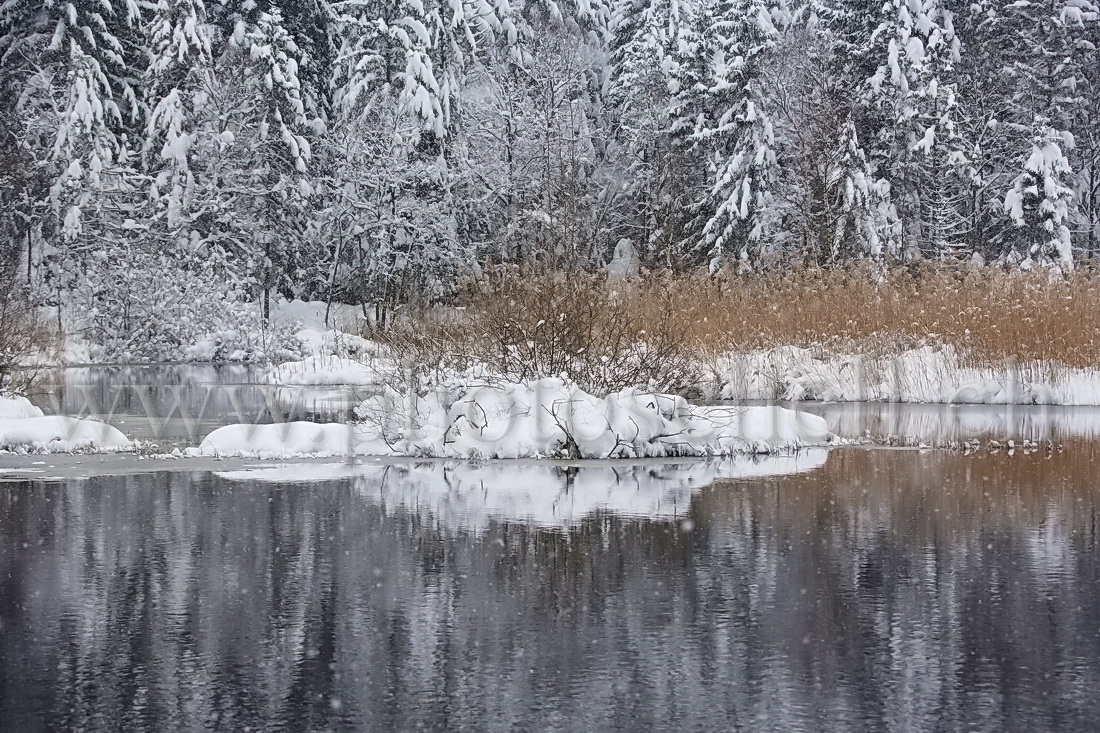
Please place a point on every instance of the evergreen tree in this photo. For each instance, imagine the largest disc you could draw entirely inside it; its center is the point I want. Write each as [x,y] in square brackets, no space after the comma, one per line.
[742,139]
[181,60]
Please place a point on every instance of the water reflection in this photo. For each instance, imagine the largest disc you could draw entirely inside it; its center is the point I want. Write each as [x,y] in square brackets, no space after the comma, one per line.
[471,496]
[882,590]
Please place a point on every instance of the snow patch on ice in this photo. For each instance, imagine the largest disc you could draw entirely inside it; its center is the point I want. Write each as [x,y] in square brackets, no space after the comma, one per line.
[17,408]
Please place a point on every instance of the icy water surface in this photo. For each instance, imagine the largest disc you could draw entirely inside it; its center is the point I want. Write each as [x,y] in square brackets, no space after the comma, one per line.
[855,590]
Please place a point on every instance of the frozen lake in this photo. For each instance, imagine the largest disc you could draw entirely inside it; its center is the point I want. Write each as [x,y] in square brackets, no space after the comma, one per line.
[859,590]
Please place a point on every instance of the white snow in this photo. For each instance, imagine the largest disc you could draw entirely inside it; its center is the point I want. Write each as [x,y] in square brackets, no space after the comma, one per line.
[324,369]
[284,440]
[469,496]
[927,374]
[23,428]
[311,314]
[59,434]
[546,418]
[17,408]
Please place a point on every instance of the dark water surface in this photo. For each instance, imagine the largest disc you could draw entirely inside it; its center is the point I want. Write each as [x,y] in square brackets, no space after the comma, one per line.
[862,590]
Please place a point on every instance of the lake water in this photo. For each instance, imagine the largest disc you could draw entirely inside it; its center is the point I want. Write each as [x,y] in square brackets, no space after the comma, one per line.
[851,589]
[859,589]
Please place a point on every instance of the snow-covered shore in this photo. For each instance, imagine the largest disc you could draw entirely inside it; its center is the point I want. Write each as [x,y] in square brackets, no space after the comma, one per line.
[928,374]
[923,375]
[477,413]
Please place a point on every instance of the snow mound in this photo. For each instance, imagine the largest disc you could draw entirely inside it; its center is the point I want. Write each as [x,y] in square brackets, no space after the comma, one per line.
[60,434]
[552,417]
[545,418]
[283,440]
[17,408]
[323,370]
[335,342]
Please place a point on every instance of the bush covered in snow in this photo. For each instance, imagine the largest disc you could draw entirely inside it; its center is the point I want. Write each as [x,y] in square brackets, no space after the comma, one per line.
[153,309]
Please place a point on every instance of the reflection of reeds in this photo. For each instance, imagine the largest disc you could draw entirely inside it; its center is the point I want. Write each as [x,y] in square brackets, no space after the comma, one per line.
[922,495]
[546,322]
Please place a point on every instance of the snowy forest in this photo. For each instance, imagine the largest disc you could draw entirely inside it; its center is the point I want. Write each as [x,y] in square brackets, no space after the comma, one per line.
[375,151]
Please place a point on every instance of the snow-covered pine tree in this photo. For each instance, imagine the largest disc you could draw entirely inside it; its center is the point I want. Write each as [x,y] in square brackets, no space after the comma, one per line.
[741,141]
[828,202]
[840,138]
[1087,147]
[389,44]
[1039,201]
[1042,40]
[312,25]
[692,110]
[181,62]
[923,155]
[72,105]
[398,87]
[648,178]
[280,153]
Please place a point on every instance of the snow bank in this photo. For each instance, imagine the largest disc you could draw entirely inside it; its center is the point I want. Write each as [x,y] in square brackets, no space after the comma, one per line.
[928,375]
[17,408]
[471,496]
[322,369]
[59,434]
[552,417]
[546,418]
[334,362]
[337,343]
[284,440]
[24,428]
[311,313]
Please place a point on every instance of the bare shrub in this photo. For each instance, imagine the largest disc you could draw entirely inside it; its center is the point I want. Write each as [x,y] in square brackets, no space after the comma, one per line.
[524,325]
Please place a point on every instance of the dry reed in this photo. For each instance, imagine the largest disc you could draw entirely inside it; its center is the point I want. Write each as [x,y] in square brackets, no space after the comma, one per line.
[649,329]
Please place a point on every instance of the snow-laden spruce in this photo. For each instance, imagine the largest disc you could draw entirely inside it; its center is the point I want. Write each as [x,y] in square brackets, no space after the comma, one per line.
[545,418]
[24,429]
